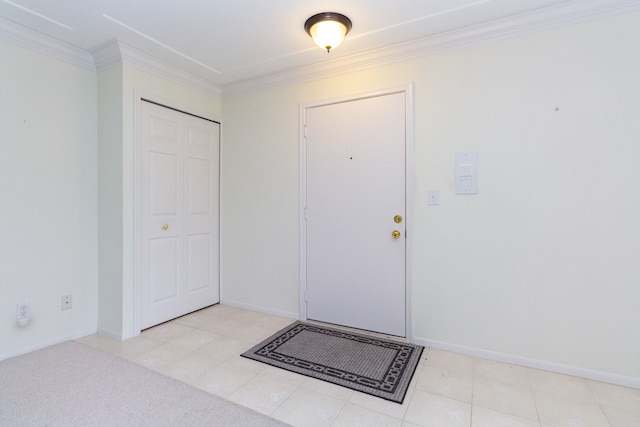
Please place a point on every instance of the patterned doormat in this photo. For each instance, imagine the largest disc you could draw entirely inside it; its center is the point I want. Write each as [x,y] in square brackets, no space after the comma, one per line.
[375,366]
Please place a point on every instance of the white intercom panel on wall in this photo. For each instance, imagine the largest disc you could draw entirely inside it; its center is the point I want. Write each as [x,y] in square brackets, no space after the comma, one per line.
[467,172]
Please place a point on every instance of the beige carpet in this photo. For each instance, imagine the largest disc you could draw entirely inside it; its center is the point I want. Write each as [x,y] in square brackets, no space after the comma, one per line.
[71,384]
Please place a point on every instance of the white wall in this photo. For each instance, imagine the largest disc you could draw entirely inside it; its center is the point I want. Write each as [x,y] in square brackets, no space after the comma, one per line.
[117,208]
[67,194]
[259,202]
[48,205]
[110,202]
[540,267]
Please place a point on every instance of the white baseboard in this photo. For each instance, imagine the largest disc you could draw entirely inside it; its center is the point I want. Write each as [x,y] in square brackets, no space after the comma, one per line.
[111,334]
[46,344]
[606,377]
[261,309]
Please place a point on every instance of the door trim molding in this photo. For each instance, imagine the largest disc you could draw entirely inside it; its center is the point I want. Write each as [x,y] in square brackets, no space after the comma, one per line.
[407,90]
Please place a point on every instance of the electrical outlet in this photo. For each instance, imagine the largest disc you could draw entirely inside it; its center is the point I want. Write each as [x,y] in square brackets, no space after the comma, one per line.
[23,311]
[66,302]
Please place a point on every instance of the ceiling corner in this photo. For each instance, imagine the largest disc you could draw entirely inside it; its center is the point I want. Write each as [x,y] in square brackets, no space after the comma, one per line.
[46,45]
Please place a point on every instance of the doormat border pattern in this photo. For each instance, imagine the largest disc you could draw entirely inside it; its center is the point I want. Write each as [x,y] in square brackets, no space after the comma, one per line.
[392,386]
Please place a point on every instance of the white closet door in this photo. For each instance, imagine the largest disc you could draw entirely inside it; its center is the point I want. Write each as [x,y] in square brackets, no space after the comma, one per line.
[179,213]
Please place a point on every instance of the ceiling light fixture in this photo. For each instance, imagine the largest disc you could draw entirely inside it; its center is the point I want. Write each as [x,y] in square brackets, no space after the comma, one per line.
[327,29]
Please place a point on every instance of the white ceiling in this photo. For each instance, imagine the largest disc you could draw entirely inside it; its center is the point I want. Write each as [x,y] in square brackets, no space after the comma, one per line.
[227,41]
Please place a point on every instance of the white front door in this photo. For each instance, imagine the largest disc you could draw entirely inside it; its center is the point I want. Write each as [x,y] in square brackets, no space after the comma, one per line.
[355,193]
[179,213]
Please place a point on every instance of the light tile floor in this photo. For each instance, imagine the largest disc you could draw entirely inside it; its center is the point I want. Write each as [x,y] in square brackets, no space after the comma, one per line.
[448,389]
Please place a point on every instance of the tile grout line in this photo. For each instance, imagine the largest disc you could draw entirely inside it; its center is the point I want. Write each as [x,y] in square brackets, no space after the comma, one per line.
[595,397]
[533,395]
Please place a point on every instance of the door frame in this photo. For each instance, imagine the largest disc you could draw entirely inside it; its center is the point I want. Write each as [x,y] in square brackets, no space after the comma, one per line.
[407,90]
[140,96]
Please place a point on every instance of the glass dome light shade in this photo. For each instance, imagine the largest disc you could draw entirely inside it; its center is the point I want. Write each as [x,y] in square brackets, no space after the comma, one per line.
[328,29]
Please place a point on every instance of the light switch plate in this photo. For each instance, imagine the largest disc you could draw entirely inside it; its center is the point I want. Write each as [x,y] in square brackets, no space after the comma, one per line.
[467,172]
[433,197]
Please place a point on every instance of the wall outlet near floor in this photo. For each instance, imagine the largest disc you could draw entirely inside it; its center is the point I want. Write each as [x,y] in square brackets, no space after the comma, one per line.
[23,311]
[66,302]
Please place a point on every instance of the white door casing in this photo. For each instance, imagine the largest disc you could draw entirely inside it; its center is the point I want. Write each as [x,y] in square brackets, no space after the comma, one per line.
[353,174]
[179,213]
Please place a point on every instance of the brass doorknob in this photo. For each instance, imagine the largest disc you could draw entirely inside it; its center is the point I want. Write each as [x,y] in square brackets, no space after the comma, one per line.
[395,234]
[397,219]
[165,227]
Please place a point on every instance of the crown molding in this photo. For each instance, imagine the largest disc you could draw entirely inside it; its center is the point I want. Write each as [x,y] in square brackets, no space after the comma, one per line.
[107,56]
[102,58]
[21,36]
[548,18]
[117,52]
